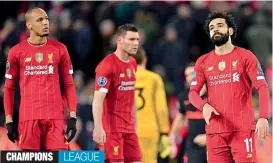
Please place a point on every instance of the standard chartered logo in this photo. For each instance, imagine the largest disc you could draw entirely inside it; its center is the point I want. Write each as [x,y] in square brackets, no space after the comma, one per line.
[224,79]
[236,77]
[127,86]
[39,70]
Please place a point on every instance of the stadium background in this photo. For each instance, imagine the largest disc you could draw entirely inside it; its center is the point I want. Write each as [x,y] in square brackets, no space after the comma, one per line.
[170,32]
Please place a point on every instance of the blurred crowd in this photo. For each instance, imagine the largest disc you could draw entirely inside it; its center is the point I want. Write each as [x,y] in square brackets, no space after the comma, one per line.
[171,33]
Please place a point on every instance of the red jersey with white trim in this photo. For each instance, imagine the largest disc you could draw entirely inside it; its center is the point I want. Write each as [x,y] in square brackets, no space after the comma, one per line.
[39,69]
[229,79]
[117,79]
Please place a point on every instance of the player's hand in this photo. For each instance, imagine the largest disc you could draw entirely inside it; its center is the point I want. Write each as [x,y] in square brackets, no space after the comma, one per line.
[200,140]
[171,139]
[262,128]
[12,131]
[71,126]
[164,146]
[207,111]
[173,152]
[99,135]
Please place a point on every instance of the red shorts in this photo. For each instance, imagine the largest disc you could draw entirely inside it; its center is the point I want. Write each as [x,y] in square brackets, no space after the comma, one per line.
[225,147]
[122,147]
[35,134]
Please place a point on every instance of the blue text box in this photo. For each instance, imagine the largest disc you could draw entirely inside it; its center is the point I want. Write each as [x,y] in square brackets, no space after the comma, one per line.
[81,156]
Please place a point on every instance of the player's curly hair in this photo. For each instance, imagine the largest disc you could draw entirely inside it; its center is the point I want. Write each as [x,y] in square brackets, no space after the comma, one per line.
[229,20]
[124,28]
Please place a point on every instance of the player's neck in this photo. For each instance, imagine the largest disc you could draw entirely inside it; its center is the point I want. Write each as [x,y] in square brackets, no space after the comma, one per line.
[122,55]
[37,40]
[141,67]
[224,49]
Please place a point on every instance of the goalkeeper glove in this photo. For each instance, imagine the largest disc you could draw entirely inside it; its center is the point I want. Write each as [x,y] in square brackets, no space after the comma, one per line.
[71,126]
[12,131]
[164,146]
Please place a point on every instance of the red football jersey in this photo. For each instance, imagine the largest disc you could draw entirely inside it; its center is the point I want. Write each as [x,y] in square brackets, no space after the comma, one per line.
[117,79]
[38,68]
[229,79]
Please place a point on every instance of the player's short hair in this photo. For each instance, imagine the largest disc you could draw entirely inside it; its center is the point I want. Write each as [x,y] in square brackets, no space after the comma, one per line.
[29,11]
[229,20]
[124,28]
[191,64]
[139,56]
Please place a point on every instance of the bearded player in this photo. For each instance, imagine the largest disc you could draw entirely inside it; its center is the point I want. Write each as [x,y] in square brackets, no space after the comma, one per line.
[114,108]
[40,62]
[229,73]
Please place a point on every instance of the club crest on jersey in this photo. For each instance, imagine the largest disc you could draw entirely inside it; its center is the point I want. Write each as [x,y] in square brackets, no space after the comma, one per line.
[234,65]
[102,81]
[39,57]
[129,73]
[7,65]
[115,150]
[50,58]
[222,65]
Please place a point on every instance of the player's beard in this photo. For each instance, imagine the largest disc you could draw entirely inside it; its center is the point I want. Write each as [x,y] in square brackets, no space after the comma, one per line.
[45,35]
[220,40]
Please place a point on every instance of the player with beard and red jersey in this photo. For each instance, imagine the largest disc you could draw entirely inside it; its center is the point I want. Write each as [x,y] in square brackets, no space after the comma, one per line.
[40,62]
[114,108]
[229,73]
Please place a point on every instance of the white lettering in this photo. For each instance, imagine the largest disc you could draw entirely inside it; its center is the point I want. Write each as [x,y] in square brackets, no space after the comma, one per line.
[32,155]
[127,83]
[236,77]
[29,156]
[50,157]
[127,86]
[39,70]
[8,157]
[20,158]
[121,88]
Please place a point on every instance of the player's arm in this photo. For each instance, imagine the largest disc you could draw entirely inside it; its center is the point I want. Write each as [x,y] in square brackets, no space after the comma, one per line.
[256,75]
[162,116]
[196,86]
[66,71]
[161,106]
[12,70]
[178,121]
[102,84]
[98,107]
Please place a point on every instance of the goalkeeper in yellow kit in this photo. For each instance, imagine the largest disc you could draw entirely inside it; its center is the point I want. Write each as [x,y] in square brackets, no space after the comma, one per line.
[152,112]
